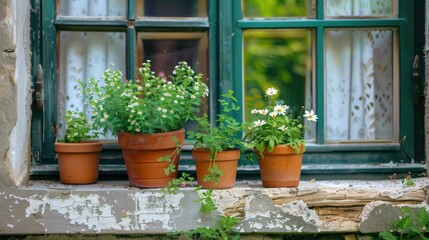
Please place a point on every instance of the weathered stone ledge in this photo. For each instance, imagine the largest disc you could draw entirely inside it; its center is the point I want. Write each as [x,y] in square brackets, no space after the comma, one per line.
[44,207]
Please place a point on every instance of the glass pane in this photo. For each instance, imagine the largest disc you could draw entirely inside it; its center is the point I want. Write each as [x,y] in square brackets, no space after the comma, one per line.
[92,8]
[279,8]
[359,85]
[361,8]
[165,50]
[280,59]
[171,8]
[82,55]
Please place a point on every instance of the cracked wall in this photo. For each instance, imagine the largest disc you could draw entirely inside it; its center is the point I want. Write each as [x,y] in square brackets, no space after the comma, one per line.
[15,91]
[116,208]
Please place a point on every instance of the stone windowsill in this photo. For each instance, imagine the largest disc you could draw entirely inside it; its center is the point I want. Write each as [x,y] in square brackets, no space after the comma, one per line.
[115,207]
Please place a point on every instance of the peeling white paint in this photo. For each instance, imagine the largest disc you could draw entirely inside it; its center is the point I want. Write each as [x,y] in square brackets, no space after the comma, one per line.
[89,210]
[156,209]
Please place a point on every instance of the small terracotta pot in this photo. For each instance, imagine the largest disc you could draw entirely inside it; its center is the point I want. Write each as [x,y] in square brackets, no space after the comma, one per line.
[78,162]
[280,167]
[142,153]
[227,162]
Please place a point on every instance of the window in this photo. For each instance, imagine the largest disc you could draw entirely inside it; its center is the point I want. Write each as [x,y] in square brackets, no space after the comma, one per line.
[351,61]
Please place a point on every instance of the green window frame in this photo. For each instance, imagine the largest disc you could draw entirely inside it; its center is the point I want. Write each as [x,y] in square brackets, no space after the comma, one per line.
[225,25]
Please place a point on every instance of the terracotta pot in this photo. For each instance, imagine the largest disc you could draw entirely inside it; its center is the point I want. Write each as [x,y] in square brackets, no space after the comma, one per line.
[142,153]
[281,167]
[227,162]
[78,162]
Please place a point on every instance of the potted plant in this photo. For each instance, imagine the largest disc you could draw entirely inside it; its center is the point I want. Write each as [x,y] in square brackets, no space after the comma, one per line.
[148,115]
[78,158]
[217,149]
[278,140]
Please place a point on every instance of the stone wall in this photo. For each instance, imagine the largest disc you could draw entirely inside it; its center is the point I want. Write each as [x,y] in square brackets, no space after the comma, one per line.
[15,91]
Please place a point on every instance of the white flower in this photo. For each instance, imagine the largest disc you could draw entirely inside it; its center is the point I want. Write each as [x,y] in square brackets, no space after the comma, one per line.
[273,114]
[271,91]
[138,130]
[147,85]
[283,128]
[164,115]
[263,111]
[175,101]
[259,123]
[139,88]
[254,111]
[281,109]
[162,98]
[310,116]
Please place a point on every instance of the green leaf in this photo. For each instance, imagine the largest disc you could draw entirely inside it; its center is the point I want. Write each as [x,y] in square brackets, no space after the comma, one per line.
[387,236]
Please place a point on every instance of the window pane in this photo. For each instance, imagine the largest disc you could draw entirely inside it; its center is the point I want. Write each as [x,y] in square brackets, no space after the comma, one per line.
[171,8]
[359,85]
[279,8]
[280,59]
[83,55]
[165,50]
[361,8]
[91,8]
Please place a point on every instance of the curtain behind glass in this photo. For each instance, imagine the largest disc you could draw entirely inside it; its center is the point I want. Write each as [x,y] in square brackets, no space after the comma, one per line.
[358,78]
[86,54]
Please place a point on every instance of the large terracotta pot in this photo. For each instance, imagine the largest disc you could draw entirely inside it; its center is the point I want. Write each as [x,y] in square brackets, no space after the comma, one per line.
[227,162]
[142,153]
[281,167]
[78,162]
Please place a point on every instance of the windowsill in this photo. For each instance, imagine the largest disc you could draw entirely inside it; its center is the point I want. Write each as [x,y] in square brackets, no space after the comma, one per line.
[114,207]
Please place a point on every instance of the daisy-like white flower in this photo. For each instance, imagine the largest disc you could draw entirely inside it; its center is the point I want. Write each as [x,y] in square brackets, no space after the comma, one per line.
[254,111]
[283,128]
[273,114]
[263,111]
[271,91]
[280,109]
[310,116]
[259,123]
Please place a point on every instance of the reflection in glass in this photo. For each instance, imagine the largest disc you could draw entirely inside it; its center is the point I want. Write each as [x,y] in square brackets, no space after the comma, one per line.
[91,8]
[359,85]
[361,8]
[279,8]
[82,55]
[165,50]
[280,59]
[171,8]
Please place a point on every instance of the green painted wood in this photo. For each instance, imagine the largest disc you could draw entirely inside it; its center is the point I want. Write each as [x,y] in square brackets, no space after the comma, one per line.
[49,65]
[91,25]
[131,53]
[320,85]
[237,57]
[310,23]
[320,9]
[196,24]
[406,57]
[36,50]
[131,10]
[213,51]
[226,80]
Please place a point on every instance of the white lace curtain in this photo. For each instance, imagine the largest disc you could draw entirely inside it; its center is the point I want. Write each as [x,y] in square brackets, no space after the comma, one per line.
[359,75]
[358,65]
[86,54]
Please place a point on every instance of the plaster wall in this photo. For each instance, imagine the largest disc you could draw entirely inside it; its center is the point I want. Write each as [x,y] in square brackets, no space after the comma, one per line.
[15,91]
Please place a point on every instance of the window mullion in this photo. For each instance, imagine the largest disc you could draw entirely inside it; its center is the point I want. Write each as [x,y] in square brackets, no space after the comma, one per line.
[320,85]
[49,84]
